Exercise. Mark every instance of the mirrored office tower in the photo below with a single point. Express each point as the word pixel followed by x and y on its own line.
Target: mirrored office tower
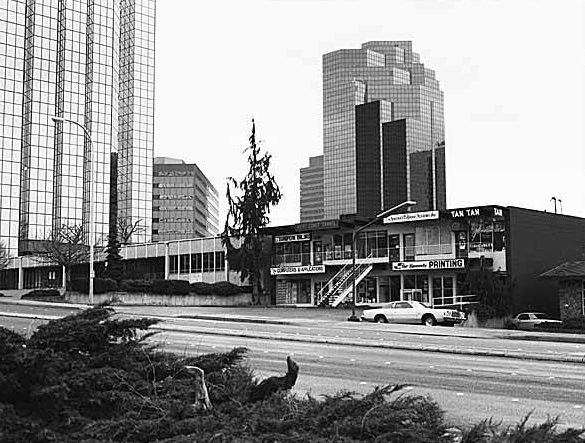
pixel 77 60
pixel 391 74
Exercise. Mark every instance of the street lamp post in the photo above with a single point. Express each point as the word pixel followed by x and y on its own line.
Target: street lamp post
pixel 381 215
pixel 91 197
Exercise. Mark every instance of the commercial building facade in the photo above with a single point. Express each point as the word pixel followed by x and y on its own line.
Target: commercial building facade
pixel 424 256
pixel 358 153
pixel 185 203
pixel 91 62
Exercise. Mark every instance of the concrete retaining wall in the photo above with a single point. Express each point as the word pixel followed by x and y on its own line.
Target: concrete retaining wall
pixel 127 298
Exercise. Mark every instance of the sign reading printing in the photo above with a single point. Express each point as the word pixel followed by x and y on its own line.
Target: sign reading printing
pixel 292 237
pixel 297 270
pixel 457 263
pixel 411 216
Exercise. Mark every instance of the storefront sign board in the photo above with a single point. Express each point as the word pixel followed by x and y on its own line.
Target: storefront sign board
pixel 309 269
pixel 457 263
pixel 411 216
pixel 292 237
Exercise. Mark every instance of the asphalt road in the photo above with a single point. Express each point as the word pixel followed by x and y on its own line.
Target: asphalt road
pixel 360 356
pixel 469 388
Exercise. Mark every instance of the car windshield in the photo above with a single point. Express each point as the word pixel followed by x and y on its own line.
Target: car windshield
pixel 542 316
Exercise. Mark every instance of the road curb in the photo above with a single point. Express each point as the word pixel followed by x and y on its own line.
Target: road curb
pixel 377 344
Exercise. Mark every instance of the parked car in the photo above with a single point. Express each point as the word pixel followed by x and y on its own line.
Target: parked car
pixel 412 312
pixel 530 320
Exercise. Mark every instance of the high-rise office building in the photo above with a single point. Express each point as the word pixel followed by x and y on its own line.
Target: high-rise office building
pixel 361 173
pixel 90 62
pixel 312 190
pixel 185 204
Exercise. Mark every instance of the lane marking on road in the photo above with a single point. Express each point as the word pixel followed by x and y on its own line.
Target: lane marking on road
pixel 460 394
pixel 363 383
pixel 470 370
pixel 577 406
pixel 387 363
pixel 551 378
pixel 432 367
pixel 320 356
pixel 515 400
pixel 513 373
pixel 353 359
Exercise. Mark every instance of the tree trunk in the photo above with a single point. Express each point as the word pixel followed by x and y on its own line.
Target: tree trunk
pixel 202 400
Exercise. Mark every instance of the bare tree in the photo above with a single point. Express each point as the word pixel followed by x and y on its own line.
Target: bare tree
pixel 127 228
pixel 4 255
pixel 64 247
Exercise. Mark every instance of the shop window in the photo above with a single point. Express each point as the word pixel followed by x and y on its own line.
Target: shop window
pixel 443 290
pixel 305 253
pixel 317 252
pixel 347 245
pixel 394 247
pixel 499 236
pixel 408 247
pixel 337 246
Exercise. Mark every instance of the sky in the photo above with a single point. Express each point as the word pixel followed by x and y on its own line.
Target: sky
pixel 512 72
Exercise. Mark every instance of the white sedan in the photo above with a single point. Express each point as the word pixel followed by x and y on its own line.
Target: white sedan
pixel 530 320
pixel 412 312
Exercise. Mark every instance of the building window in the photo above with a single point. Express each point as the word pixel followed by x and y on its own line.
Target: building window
pixel 408 247
pixel 394 247
pixel 173 264
pixel 184 263
pixel 208 262
pixel 220 261
pixel 196 262
pixel 583 298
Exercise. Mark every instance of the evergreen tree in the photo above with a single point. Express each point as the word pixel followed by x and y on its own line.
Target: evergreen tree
pixel 248 214
pixel 114 265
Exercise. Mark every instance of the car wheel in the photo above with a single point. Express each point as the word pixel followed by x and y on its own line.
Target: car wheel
pixel 429 320
pixel 380 319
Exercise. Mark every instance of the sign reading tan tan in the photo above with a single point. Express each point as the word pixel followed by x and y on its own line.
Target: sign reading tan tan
pixel 297 270
pixel 455 263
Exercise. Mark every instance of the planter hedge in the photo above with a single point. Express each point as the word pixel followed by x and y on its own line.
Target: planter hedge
pixel 170 287
pixel 41 294
pixel 100 285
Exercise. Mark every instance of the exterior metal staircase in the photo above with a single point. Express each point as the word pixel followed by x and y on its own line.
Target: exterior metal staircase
pixel 341 284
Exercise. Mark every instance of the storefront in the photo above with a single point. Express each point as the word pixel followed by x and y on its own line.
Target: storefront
pixel 421 256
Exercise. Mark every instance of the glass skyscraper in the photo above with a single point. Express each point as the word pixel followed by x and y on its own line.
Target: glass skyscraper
pixel 390 73
pixel 92 62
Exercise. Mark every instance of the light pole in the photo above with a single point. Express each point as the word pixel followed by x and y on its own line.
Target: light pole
pixel 91 196
pixel 381 215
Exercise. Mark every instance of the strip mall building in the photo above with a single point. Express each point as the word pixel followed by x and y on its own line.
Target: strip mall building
pixel 409 256
pixel 424 256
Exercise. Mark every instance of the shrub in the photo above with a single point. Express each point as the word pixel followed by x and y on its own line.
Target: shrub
pixel 171 287
pixel 225 288
pixel 136 286
pixel 42 294
pixel 100 285
pixel 577 323
pixel 202 288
